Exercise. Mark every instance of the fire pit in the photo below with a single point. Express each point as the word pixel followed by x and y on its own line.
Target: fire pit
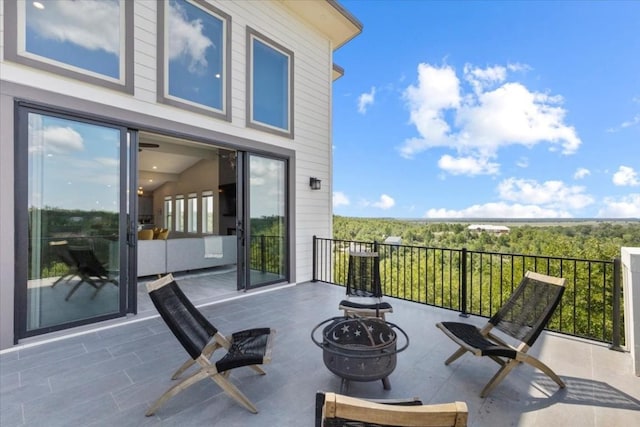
pixel 360 348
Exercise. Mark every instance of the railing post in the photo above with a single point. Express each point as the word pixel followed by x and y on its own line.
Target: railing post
pixel 463 283
pixel 314 262
pixel 263 254
pixel 615 345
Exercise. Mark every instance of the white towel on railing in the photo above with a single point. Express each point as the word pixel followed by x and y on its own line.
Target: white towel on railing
pixel 213 247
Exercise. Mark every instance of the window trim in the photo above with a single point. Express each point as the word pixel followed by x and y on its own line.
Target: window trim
pixel 250 122
pixel 163 96
pixel 123 84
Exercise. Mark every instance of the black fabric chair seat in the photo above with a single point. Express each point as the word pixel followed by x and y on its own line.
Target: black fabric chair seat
pixel 472 336
pixel 357 305
pixel 247 348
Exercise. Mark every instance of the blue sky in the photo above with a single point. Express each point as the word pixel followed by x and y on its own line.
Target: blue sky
pixel 489 110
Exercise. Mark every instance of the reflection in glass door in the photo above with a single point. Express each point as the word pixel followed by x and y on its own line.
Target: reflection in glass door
pixel 266 233
pixel 71 244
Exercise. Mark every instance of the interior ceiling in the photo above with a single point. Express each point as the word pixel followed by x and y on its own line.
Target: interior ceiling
pixel 157 165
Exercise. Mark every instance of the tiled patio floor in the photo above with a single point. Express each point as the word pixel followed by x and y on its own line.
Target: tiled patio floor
pixel 108 377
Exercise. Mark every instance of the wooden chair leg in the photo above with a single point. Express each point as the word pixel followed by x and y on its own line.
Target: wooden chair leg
pixel 459 352
pixel 207 352
pixel 234 392
pixel 499 376
pixel 181 386
pixel 258 369
pixel 186 365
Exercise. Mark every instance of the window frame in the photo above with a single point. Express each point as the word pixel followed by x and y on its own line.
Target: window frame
pixel 207 211
pixel 162 65
pixel 168 213
pixel 192 212
pixel 252 35
pixel 181 212
pixel 15 31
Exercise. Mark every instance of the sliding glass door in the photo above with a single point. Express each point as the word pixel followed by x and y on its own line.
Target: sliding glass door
pixel 70 221
pixel 264 237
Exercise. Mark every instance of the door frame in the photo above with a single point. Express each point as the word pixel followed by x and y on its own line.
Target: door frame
pixel 139 119
pixel 21 243
pixel 243 226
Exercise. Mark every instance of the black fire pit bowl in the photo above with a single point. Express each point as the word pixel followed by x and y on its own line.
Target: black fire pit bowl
pixel 360 348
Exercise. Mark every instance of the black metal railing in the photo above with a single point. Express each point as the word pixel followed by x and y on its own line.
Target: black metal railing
pixel 267 254
pixel 478 283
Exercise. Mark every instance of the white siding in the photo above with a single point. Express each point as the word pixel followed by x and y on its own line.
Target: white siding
pixel 312 103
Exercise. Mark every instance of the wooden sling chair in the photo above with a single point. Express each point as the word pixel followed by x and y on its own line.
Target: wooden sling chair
pixel 523 317
pixel 364 289
pixel 60 249
pixel 90 270
pixel 337 410
pixel 200 339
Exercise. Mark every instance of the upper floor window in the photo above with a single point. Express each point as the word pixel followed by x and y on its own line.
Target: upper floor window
pixel 270 85
pixel 88 40
pixel 193 55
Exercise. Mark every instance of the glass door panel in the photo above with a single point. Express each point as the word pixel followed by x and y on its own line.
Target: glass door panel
pixel 74 221
pixel 266 233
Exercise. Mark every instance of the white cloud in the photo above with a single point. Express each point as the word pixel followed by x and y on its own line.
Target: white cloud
pixel 549 194
pixel 624 207
pixel 385 202
pixel 365 100
pixel 626 124
pixel 478 123
pixel 186 39
pixel 499 210
pixel 93 25
pixel 481 78
pixel 56 140
pixel 523 162
pixel 581 173
pixel 518 67
pixel 626 176
pixel 467 165
pixel 340 199
pixel 632 122
pixel 437 91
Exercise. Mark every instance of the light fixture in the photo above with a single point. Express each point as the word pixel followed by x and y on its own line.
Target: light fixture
pixel 315 183
pixel 140 191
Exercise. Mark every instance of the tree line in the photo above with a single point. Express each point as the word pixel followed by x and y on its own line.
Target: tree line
pixel 580 239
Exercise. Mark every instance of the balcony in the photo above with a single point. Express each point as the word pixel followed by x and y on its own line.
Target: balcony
pixel 110 375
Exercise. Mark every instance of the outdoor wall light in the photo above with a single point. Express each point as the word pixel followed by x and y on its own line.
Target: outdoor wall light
pixel 314 183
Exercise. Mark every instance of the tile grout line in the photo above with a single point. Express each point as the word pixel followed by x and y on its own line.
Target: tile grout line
pixel 132 321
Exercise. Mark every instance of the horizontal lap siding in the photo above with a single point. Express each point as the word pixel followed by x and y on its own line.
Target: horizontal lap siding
pixel 312 81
